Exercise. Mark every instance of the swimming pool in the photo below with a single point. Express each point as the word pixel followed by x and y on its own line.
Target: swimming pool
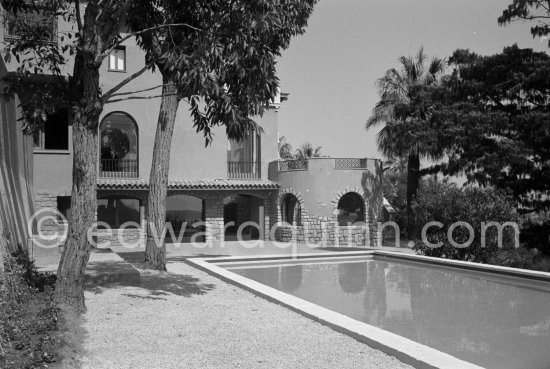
pixel 492 317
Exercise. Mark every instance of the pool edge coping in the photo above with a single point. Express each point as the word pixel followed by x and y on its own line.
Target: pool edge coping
pixel 467 265
pixel 404 349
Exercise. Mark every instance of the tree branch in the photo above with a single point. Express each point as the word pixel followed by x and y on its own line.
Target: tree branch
pixel 78 19
pixel 142 97
pixel 132 34
pixel 139 91
pixel 109 93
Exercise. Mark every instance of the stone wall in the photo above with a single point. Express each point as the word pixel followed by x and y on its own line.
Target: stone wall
pixel 325 231
pixel 48 200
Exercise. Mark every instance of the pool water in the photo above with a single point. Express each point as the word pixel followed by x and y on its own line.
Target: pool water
pixel 489 320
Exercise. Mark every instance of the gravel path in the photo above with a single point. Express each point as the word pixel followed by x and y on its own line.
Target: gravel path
pixel 188 319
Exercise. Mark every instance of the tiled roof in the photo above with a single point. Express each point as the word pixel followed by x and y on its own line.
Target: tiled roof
pixel 202 184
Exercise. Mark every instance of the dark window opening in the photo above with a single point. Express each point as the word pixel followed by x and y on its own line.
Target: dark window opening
pixel 118 211
pixel 64 205
pixel 56 131
pixel 350 209
pixel 291 211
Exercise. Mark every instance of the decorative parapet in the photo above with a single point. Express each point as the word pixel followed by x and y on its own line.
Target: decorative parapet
pixel 336 163
pixel 290 165
pixel 351 163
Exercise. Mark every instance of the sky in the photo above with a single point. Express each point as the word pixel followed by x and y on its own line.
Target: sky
pixel 331 70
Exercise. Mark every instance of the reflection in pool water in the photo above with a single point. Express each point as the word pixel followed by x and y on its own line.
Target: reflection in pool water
pixel 494 323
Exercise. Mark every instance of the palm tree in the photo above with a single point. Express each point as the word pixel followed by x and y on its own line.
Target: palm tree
pixel 398 139
pixel 307 151
pixel 285 149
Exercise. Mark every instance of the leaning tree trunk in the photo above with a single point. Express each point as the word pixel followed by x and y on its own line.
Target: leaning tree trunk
pixel 70 273
pixel 155 249
pixel 413 178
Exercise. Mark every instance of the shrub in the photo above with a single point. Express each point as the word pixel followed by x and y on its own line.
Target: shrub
pixel 446 203
pixel 32 277
pixel 535 234
pixel 522 258
pixel 28 316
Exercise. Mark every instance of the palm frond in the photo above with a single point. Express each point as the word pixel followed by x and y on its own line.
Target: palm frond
pixel 401 136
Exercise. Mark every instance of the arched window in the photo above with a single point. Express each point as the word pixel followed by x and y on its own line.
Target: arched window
pixel 351 209
pixel 119 146
pixel 290 210
pixel 116 211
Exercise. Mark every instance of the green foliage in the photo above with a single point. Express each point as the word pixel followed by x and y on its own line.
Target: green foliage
pixel 31 276
pixel 521 258
pixel 528 10
pixel 493 120
pixel 285 149
pixel 28 316
pixel 535 234
pixel 400 106
pixel 403 111
pixel 221 56
pixel 395 189
pixel 306 151
pixel 446 203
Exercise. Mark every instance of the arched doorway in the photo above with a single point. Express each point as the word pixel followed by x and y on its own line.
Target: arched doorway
pixel 351 209
pixel 186 216
pixel 118 134
pixel 291 211
pixel 239 209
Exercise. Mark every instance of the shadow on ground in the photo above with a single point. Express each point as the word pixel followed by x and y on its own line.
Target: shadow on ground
pixel 132 257
pixel 71 337
pixel 155 282
pixel 136 258
pixel 182 259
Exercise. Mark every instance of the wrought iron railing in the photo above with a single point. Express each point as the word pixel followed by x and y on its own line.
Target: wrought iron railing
pixel 350 163
pixel 118 168
pixel 289 165
pixel 244 169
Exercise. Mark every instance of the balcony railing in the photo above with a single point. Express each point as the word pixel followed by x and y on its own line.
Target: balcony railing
pixel 326 162
pixel 118 168
pixel 289 165
pixel 350 163
pixel 244 169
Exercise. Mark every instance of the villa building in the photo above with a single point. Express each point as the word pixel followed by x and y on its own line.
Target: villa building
pixel 209 186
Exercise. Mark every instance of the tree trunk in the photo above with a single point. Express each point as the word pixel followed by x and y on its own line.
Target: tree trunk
pixel 413 178
pixel 3 248
pixel 70 273
pixel 155 249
